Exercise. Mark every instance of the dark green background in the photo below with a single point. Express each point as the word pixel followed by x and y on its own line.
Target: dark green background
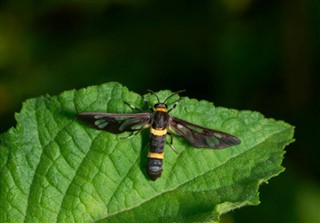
pixel 248 55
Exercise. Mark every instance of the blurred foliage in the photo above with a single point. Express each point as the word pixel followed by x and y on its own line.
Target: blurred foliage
pixel 256 55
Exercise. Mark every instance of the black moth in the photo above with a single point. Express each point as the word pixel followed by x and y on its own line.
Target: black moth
pixel 160 124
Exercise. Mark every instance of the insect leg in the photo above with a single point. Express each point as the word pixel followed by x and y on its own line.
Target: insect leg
pixel 171 143
pixel 174 105
pixel 136 132
pixel 134 107
pixel 148 104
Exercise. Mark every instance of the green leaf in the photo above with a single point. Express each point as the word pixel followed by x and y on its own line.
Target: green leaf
pixel 55 169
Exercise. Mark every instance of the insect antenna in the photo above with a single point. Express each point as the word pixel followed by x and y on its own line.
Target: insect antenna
pixel 152 92
pixel 174 93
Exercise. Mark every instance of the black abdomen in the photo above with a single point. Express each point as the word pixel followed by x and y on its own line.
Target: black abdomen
pixel 155 155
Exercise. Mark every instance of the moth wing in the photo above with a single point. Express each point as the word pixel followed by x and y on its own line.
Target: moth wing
pixel 115 123
pixel 201 137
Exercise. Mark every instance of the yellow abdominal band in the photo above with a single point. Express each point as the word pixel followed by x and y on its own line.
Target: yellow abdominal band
pixel 156 155
pixel 158 132
pixel 161 109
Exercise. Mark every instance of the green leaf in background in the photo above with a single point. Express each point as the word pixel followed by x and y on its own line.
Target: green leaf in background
pixel 55 169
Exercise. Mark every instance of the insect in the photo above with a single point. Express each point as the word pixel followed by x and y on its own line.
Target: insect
pixel 160 124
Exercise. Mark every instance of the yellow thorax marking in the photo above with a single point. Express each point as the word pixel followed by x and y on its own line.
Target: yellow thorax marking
pixel 162 109
pixel 158 132
pixel 156 155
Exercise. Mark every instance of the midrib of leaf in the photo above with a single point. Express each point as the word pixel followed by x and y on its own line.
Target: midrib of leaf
pixel 243 152
pixel 39 143
pixel 65 195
